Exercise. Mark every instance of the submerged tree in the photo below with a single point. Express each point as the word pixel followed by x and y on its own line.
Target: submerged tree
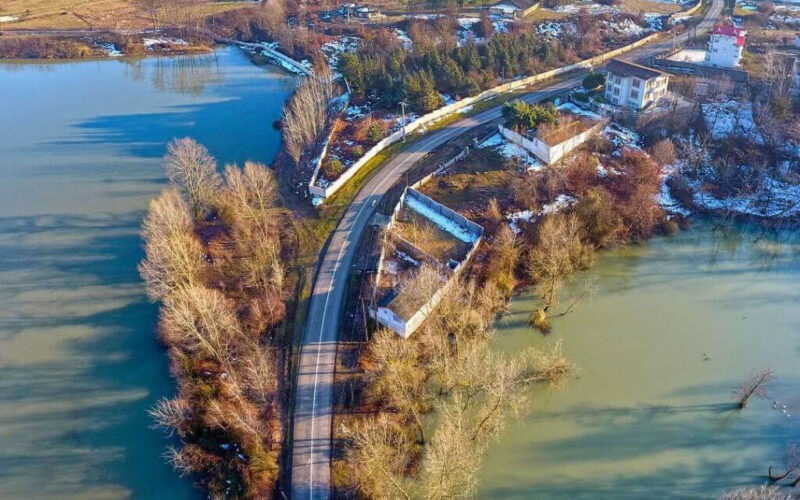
pixel 791 463
pixel 754 386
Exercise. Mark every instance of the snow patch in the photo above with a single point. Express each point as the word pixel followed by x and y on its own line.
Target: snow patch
pixel 577 110
pixel 404 38
pixel 562 202
pixel 510 150
pixel 440 220
pixel 731 117
pixel 150 43
pixel 111 49
pixel 622 137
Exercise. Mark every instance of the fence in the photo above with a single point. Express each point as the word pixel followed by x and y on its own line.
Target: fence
pixel 736 75
pixel 546 152
pixel 442 167
pixel 325 192
pixel 385 315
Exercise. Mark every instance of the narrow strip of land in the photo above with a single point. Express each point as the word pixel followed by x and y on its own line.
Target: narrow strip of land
pixel 313 412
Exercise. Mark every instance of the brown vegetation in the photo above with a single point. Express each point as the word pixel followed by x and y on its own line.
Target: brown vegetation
pixel 213 259
pixel 35 47
pixel 306 113
pixel 446 367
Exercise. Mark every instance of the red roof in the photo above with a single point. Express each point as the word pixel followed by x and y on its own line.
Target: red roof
pixel 731 31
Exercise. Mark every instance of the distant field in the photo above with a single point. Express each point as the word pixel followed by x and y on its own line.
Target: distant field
pixel 637 6
pixel 83 14
pixel 544 14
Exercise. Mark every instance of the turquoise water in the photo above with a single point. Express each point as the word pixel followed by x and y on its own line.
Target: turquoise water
pixel 647 416
pixel 80 153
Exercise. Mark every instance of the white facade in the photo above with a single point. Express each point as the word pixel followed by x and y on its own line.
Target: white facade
pixel 634 92
pixel 725 47
pixel 543 151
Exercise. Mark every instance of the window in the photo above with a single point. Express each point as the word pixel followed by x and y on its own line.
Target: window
pixel 635 94
pixel 616 90
pixel 635 83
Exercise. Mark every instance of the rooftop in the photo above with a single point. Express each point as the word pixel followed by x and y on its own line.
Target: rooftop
pixel 731 31
pixel 626 69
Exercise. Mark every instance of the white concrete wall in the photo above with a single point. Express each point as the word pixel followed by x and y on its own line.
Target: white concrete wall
pixel 464 103
pixel 723 51
pixel 389 319
pixel 547 153
pixel 385 315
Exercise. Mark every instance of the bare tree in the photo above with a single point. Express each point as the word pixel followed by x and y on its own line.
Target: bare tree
pixel 174 255
pixel 753 386
pixel 396 378
pixel 452 461
pixel 420 287
pixel 201 320
pixel 504 258
pixel 247 204
pixel 306 113
pixel 557 252
pixel 172 415
pixel 791 463
pixel 757 493
pixel 192 169
pixel 379 455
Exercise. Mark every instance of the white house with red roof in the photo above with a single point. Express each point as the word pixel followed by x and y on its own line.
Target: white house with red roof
pixel 725 46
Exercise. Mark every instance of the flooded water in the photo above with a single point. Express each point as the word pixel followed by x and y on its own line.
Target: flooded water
pixel 673 328
pixel 80 148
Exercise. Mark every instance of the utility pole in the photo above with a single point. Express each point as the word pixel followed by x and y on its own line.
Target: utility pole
pixel 403 114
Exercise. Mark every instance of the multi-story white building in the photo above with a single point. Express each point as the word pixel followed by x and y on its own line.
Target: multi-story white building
pixel 632 85
pixel 725 46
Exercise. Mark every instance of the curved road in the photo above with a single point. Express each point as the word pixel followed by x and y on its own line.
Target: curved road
pixel 313 412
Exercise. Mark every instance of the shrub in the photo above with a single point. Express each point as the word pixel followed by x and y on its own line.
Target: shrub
pixel 766 8
pixel 333 168
pixel 539 320
pixel 597 216
pixel 580 96
pixel 663 152
pixel 519 114
pixel 357 151
pixel 594 80
pixel 493 213
pixel 581 173
pixel 668 227
pixel 600 145
pixel 375 132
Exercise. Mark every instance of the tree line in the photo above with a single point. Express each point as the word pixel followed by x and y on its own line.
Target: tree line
pixel 393 74
pixel 215 257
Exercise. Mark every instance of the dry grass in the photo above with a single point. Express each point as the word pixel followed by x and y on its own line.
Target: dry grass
pixel 474 181
pixel 84 14
pixel 544 14
pixel 636 6
pixel 429 238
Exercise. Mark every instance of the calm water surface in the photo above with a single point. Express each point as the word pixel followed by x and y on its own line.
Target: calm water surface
pixel 80 156
pixel 648 417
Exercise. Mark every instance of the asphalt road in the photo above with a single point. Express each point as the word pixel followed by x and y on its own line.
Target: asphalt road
pixel 314 393
pixel 312 448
